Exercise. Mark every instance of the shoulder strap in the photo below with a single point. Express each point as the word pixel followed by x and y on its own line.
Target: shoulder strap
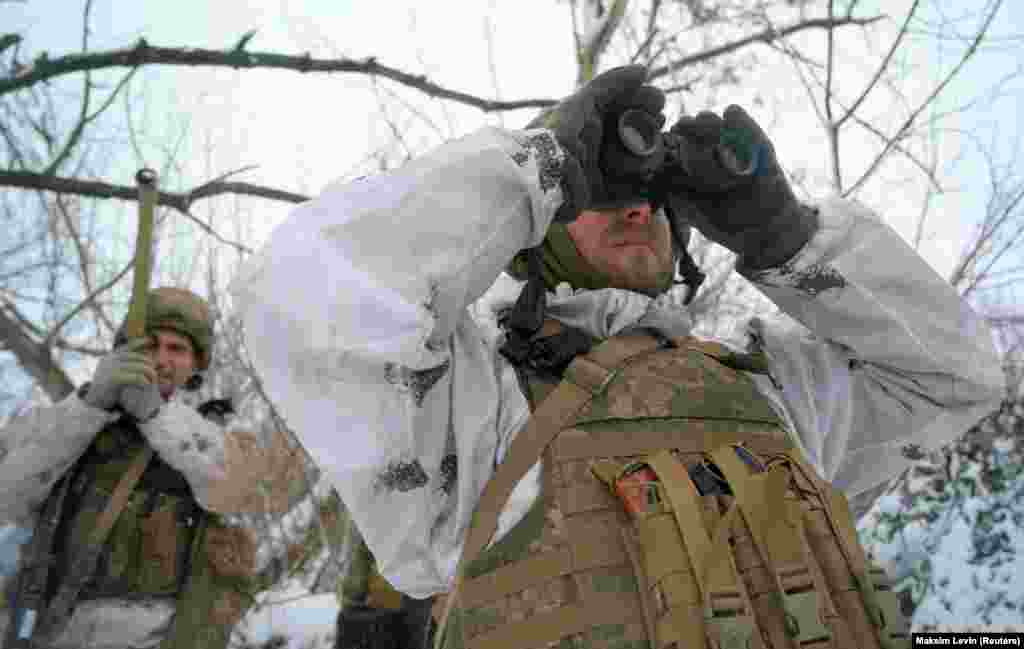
pixel 34 571
pixel 82 568
pixel 586 377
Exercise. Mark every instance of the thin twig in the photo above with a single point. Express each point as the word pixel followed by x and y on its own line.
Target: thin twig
pixel 84 259
pixel 971 50
pixel 882 67
pixel 830 124
pixel 88 301
pixel 765 36
pixel 79 128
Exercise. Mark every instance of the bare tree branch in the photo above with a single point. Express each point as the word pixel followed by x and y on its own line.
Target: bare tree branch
pixel 883 66
pixel 971 50
pixel 599 25
pixel 88 301
pixel 652 31
pixel 180 201
pixel 85 261
pixel 76 132
pixel 143 54
pixel 830 124
pixel 767 36
pixel 35 359
pixel 928 170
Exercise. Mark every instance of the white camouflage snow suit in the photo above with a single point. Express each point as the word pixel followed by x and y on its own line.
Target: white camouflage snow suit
pixel 360 311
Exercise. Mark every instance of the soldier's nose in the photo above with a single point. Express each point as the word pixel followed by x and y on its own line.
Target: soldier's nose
pixel 639 214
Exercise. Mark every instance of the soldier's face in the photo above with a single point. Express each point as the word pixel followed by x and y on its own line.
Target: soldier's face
pixel 175 360
pixel 631 245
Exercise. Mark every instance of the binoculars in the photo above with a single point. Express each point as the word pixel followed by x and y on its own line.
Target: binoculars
pixel 640 135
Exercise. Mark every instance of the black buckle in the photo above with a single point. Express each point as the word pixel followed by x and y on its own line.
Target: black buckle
pixel 550 356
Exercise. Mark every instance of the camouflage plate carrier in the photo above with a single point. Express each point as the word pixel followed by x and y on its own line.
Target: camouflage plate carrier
pixel 730 541
pixel 163 544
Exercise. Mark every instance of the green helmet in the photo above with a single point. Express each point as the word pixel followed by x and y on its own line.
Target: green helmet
pixel 181 311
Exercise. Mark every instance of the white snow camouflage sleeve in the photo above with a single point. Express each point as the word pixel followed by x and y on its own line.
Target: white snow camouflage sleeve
pixel 356 318
pixel 229 470
pixel 37 447
pixel 189 444
pixel 894 361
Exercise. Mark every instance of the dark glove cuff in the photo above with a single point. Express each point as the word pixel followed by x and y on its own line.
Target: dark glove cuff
pixel 794 228
pixel 575 193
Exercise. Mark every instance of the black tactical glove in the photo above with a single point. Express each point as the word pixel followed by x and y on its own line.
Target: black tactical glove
pixel 721 176
pixel 598 169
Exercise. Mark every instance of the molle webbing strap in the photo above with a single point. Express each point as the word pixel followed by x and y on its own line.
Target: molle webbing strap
pixel 755 363
pixel 694 571
pixel 586 377
pixel 686 508
pixel 885 630
pixel 597 609
pixel 599 443
pixel 515 577
pixel 774 522
pixel 82 568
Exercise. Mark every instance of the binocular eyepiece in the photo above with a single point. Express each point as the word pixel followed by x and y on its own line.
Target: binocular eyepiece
pixel 640 134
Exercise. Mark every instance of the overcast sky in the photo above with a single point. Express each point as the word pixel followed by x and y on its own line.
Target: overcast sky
pixel 304 131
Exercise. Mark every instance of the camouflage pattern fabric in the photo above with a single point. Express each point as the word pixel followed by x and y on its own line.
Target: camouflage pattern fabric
pixel 163 544
pixel 578 572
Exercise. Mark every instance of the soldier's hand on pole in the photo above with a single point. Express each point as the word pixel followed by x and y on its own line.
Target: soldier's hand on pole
pixel 126 366
pixel 142 402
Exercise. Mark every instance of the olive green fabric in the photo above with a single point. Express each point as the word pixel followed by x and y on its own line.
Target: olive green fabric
pixel 162 546
pixel 181 311
pixel 147 549
pixel 562 262
pixel 354 588
pixel 214 599
pixel 511 547
pixel 363 585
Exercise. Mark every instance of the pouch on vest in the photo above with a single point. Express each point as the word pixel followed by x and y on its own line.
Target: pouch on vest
pixel 748 549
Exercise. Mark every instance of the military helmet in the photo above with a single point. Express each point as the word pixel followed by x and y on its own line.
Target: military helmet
pixel 183 312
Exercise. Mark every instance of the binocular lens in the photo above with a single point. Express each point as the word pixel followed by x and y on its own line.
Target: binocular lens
pixel 639 132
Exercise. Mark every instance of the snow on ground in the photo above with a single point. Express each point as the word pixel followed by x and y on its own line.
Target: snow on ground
pixel 986 596
pixel 306 621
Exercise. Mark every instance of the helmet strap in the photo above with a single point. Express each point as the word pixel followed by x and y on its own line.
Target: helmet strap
pixel 693 277
pixel 526 317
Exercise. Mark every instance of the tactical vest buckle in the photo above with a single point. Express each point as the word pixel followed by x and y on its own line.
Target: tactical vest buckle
pixel 803 617
pixel 735 632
